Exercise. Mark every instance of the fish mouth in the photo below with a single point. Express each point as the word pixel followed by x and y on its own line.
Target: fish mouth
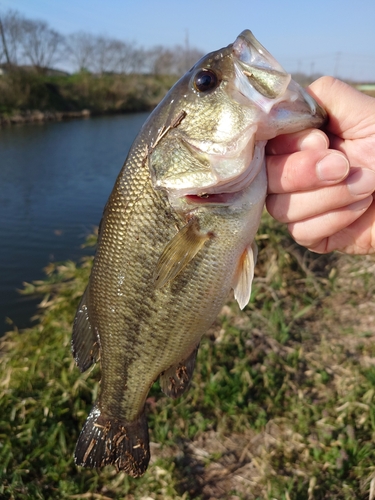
pixel 225 192
pixel 261 79
pixel 210 199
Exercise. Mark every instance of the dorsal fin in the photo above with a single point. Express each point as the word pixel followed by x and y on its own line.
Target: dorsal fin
pixel 85 343
pixel 245 274
pixel 182 248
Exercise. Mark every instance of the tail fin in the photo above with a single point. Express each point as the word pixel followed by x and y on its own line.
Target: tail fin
pixel 105 441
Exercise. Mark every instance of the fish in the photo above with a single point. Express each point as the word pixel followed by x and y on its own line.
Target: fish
pixel 176 236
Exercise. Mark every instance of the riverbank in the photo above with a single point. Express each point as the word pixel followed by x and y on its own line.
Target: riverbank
pixel 35 116
pixel 27 97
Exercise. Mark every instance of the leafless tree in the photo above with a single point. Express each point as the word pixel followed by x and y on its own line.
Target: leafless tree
pixel 105 54
pixel 186 58
pixel 11 30
pixel 137 60
pixel 131 58
pixel 25 41
pixel 80 49
pixel 101 54
pixel 41 45
pixel 161 60
pixel 176 60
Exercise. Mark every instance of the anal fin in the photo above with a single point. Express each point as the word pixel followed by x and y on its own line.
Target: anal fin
pixel 108 441
pixel 245 274
pixel 182 248
pixel 85 343
pixel 176 380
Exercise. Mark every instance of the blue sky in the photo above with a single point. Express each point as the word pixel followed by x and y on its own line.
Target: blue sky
pixel 332 37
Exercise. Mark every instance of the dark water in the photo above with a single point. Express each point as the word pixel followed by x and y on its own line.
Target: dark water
pixel 54 181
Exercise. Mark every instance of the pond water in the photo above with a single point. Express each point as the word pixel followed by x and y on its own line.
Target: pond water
pixel 55 179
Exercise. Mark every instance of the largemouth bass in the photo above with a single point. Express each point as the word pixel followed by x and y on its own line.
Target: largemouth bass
pixel 176 236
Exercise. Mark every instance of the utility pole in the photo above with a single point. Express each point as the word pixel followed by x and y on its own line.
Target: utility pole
pixel 4 43
pixel 337 62
pixel 187 50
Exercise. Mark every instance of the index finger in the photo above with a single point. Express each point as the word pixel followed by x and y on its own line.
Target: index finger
pixel 351 115
pixel 299 141
pixel 305 170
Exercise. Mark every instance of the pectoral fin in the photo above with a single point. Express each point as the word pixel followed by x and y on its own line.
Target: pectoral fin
pixel 176 379
pixel 85 343
pixel 245 275
pixel 182 248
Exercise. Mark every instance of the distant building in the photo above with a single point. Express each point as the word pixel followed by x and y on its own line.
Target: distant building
pixel 3 69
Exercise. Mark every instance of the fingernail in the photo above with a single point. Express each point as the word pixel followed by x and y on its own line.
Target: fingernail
pixel 361 181
pixel 333 167
pixel 313 140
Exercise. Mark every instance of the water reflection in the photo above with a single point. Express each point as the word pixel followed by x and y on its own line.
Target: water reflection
pixel 54 181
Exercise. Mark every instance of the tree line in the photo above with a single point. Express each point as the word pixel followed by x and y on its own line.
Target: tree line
pixel 34 43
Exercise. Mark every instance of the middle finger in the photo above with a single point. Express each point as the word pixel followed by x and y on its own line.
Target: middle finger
pixel 293 207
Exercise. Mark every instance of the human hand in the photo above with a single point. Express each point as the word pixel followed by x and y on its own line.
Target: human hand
pixel 322 184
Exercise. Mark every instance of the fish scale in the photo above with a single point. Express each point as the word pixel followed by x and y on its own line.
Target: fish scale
pixel 177 234
pixel 139 316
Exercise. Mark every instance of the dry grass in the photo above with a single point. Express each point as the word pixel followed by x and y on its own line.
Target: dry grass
pixel 281 405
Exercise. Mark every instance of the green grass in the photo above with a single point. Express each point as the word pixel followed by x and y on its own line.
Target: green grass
pixel 281 405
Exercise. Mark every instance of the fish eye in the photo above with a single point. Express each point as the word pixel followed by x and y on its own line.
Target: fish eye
pixel 206 79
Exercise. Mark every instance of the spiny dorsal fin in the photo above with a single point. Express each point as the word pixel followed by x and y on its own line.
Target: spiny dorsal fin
pixel 245 275
pixel 175 381
pixel 85 343
pixel 182 248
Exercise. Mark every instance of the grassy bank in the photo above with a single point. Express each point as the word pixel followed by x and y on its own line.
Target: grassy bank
pixel 281 405
pixel 22 93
